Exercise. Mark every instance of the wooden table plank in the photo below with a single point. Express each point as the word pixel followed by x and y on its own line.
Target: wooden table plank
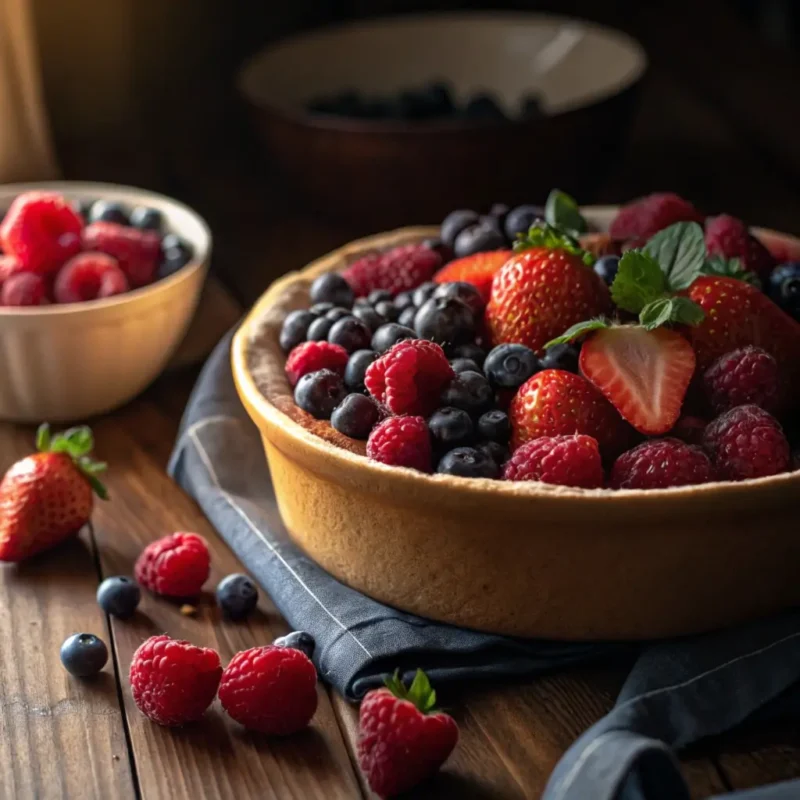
pixel 59 736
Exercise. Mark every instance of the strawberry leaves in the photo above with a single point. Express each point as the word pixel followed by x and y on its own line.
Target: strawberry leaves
pixel 730 268
pixel 78 444
pixel 680 252
pixel 639 281
pixel 578 330
pixel 420 693
pixel 543 234
pixel 561 211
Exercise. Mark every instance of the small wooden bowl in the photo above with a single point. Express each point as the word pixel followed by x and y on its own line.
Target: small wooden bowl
pixel 525 559
pixel 383 172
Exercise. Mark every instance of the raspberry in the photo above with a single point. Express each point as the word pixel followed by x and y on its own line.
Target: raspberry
pixel 396 270
pixel 313 356
pixel 42 230
pixel 409 378
pixel 24 289
pixel 659 463
pixel 270 689
pixel 137 252
pixel 176 566
pixel 561 460
pixel 173 681
pixel 747 442
pixel 401 442
pixel 729 237
pixel 9 265
pixel 741 377
pixel 89 276
pixel 647 216
pixel 689 429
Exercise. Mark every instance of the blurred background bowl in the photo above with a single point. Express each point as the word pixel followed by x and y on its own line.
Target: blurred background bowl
pixel 390 172
pixel 67 362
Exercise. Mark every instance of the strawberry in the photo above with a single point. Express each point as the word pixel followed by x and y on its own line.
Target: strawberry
pixel 47 497
pixel 729 237
pixel 542 290
pixel 402 740
pixel 396 270
pixel 645 217
pixel 478 269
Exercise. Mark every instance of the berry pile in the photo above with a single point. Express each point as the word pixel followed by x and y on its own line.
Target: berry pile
pixel 55 252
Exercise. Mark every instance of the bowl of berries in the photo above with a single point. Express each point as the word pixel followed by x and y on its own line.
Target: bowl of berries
pixel 585 435
pixel 98 284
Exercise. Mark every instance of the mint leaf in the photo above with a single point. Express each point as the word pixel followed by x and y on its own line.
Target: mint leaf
pixel 639 281
pixel 562 210
pixel 542 234
pixel 686 311
pixel 43 438
pixel 680 251
pixel 670 309
pixel 576 331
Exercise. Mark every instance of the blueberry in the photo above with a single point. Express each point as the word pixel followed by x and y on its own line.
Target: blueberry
pixel 237 596
pixel 404 300
pixel 478 239
pixel 791 269
pixel 83 207
pixel 147 219
pixel 356 369
pixel 378 296
pixel 469 391
pixel 463 291
pixel 319 329
pixel 295 328
pixel 350 333
pixel 520 219
pixel 499 453
pixel 171 262
pixel 483 106
pixel 495 426
pixel 508 366
pixel 467 462
pixel 175 252
pixel 118 596
pixel 388 310
pixel 499 211
pixel 407 316
pixel 423 292
pixel 332 288
pixel 297 640
pixel 453 224
pixel 319 393
pixel 606 267
pixel 450 427
pixel 337 313
pixel 438 246
pixel 356 416
pixel 389 335
pixel 108 211
pixel 464 365
pixel 471 351
pixel 561 356
pixel 320 309
pixel 369 316
pixel 445 321
pixel 83 654
pixel 789 296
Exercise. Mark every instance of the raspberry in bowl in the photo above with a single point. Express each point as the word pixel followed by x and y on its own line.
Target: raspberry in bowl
pixel 98 284
pixel 581 497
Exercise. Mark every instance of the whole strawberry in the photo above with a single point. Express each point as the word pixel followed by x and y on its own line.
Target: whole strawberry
pixel 402 740
pixel 48 497
pixel 478 269
pixel 397 270
pixel 545 288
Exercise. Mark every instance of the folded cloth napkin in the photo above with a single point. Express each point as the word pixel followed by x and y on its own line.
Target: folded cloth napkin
pixel 677 692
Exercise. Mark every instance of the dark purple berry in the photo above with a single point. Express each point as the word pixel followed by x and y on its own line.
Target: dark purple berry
pixel 378 296
pixel 319 329
pixel 471 351
pixel 791 269
pixel 319 393
pixel 445 321
pixel 407 316
pixel 356 416
pixel 332 288
pixel 320 309
pixel 356 369
pixel 467 462
pixel 119 596
pixel 295 329
pixel 147 219
pixel 389 335
pixel 508 366
pixel 464 365
pixel 478 238
pixel 454 223
pixel 297 640
pixel 463 291
pixel 499 453
pixel 520 219
pixel 388 310
pixel 237 596
pixel 350 333
pixel 423 292
pixel 561 356
pixel 369 316
pixel 438 246
pixel 451 427
pixel 606 267
pixel 404 300
pixel 337 313
pixel 469 391
pixel 108 211
pixel 495 426
pixel 84 654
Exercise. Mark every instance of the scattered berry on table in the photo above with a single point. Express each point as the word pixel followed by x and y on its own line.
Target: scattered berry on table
pixel 295 328
pixel 89 276
pixel 24 289
pixel 298 640
pixel 561 356
pixel 397 270
pixel 173 682
pixel 370 317
pixel 119 596
pixel 356 416
pixel 569 460
pixel 446 321
pixel 146 218
pixel 318 393
pixel 478 270
pixel 520 219
pixel 313 356
pixel 356 369
pixel 270 689
pixel 469 391
pixel 644 217
pixel 108 211
pixel 423 292
pixel 401 442
pixel 388 335
pixel 319 329
pixel 351 334
pixel 729 237
pixel 508 366
pixel 175 566
pixel 468 462
pixel 402 738
pixel 450 427
pixel 407 317
pixel 463 291
pixel 741 377
pixel 337 313
pixel 470 351
pixel 464 365
pixel 331 288
pixel 478 238
pixel 137 252
pixel 606 267
pixel 454 223
pixel 237 596
pixel 388 310
pixel 84 654
pixel 495 426
pixel 499 453
pixel 661 463
pixel 746 442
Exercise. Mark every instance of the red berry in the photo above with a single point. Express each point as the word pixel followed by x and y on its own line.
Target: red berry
pixel 644 217
pixel 9 265
pixel 176 566
pixel 24 289
pixel 137 251
pixel 314 356
pixel 409 378
pixel 173 681
pixel 660 463
pixel 270 689
pixel 89 276
pixel 396 270
pixel 748 375
pixel 747 442
pixel 561 460
pixel 478 269
pixel 42 230
pixel 401 442
pixel 729 237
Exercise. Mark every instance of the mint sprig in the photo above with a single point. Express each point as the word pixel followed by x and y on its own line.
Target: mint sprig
pixel 420 693
pixel 639 281
pixel 680 252
pixel 562 211
pixel 78 444
pixel 543 234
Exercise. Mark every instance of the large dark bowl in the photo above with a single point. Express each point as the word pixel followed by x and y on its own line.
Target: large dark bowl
pixel 391 172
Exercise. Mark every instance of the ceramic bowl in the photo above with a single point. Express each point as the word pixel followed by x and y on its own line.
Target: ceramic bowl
pixel 390 173
pixel 68 362
pixel 525 559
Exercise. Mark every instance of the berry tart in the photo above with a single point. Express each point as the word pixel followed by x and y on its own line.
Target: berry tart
pixel 542 421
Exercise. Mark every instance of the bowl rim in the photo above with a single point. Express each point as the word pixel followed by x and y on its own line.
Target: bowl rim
pixel 200 259
pixel 724 496
pixel 334 123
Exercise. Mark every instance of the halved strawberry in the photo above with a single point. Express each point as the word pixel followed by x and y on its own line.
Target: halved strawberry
pixel 644 374
pixel 478 269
